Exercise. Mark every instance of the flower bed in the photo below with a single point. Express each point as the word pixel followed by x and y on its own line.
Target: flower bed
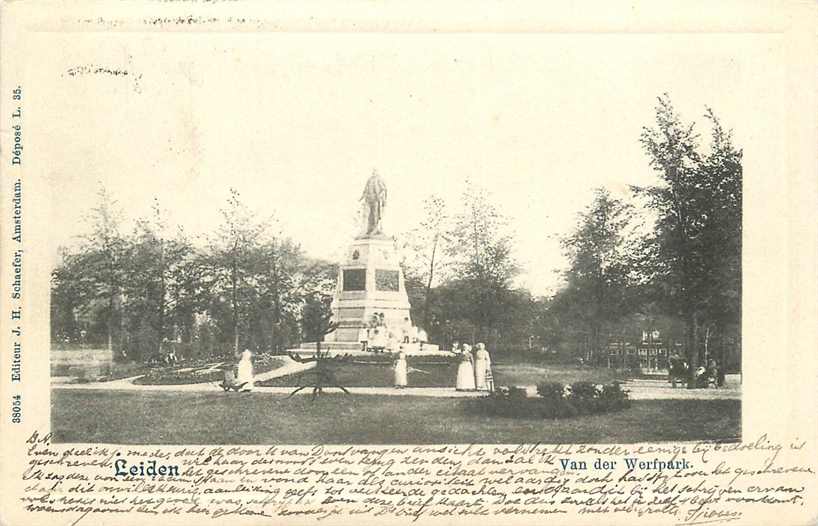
pixel 553 400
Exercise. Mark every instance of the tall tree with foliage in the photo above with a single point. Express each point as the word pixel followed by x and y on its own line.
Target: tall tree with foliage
pixel 598 276
pixel 235 261
pixel 287 279
pixel 482 261
pixel 425 251
pixel 694 254
pixel 74 293
pixel 722 174
pixel 104 249
pixel 156 291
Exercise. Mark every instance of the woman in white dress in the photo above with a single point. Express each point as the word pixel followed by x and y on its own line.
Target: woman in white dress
pixel 245 370
pixel 465 370
pixel 482 364
pixel 400 371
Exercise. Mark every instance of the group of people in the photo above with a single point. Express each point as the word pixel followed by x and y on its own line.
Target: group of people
pixel 474 370
pixel 379 337
pixel 705 376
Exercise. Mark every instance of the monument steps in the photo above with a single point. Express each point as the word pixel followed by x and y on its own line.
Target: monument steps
pixel 354 349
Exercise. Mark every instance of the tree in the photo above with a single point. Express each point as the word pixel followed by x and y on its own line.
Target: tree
pixel 722 178
pixel 102 253
pixel 599 266
pixel 74 291
pixel 157 295
pixel 287 280
pixel 483 264
pixel 694 253
pixel 424 253
pixel 234 261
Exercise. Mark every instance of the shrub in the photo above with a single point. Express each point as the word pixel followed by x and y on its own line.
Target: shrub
pixel 583 391
pixel 614 397
pixel 554 400
pixel 550 390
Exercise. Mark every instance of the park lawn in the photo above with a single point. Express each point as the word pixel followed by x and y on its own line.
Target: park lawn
pixel 438 374
pixel 531 374
pixel 260 418
pixel 429 373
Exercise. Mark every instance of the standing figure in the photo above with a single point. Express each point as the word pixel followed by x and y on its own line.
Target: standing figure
pixel 455 347
pixel 400 370
pixel 245 370
pixel 465 371
pixel 482 368
pixel 374 203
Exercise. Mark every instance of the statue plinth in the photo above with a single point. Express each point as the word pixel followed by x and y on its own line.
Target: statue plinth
pixel 370 282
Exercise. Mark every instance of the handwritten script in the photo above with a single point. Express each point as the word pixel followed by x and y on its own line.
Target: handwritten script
pixel 722 482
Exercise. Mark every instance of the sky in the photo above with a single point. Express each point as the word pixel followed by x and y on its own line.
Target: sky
pixel 296 122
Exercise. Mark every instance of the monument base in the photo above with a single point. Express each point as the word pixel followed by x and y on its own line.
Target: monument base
pixel 371 293
pixel 337 348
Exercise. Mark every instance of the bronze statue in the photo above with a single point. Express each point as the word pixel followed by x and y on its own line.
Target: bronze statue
pixel 374 200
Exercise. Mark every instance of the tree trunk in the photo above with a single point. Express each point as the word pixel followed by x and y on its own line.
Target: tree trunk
pixel 706 344
pixel 692 351
pixel 111 321
pixel 111 302
pixel 426 300
pixel 162 294
pixel 276 308
pixel 234 301
pixel 593 347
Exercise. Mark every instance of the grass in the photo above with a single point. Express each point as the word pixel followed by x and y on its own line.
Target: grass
pixel 438 374
pixel 442 373
pixel 532 374
pixel 257 418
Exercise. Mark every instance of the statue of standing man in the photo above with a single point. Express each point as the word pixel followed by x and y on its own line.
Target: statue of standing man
pixel 374 204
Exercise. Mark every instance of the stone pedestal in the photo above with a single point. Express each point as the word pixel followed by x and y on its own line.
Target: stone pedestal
pixel 370 282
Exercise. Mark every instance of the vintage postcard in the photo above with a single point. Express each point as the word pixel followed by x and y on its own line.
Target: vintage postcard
pixel 382 263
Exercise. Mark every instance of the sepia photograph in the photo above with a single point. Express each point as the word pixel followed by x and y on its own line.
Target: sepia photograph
pixel 389 239
pixel 384 263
